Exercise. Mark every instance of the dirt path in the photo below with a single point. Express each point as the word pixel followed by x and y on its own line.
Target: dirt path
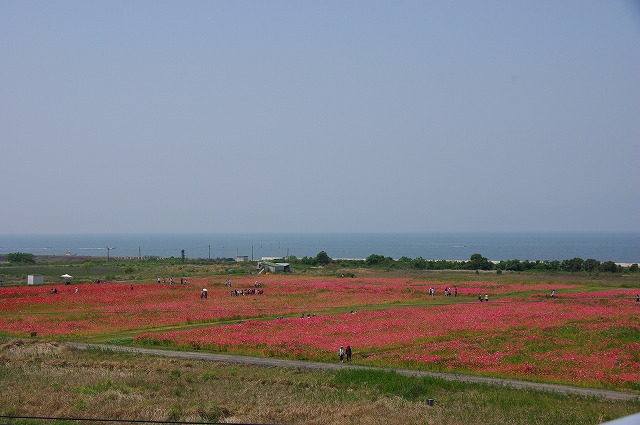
pixel 273 362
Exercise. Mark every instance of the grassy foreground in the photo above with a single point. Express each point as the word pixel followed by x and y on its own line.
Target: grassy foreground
pixel 40 378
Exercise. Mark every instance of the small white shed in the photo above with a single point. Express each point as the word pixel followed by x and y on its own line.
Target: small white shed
pixel 35 279
pixel 274 267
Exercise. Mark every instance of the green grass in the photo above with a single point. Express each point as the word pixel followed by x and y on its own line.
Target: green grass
pixel 105 384
pixel 393 384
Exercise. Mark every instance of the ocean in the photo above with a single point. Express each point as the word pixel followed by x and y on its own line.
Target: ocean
pixel 617 247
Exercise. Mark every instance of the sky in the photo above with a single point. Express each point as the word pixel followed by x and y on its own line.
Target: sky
pixel 307 116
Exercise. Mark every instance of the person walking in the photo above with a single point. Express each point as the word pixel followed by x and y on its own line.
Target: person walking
pixel 348 353
pixel 341 354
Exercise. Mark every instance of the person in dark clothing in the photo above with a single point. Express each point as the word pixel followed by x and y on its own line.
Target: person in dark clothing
pixel 348 352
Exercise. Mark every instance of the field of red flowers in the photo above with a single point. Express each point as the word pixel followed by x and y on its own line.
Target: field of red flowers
pixel 109 307
pixel 592 338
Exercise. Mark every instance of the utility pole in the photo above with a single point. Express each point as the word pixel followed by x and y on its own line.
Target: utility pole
pixel 139 253
pixel 109 248
pixel 209 252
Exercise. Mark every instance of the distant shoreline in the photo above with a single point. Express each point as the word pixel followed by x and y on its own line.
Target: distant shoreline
pixel 82 258
pixel 615 247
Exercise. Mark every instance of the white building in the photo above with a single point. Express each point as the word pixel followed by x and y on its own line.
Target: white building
pixel 274 267
pixel 35 279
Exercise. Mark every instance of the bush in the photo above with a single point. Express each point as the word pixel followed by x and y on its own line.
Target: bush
pixel 21 257
pixel 323 258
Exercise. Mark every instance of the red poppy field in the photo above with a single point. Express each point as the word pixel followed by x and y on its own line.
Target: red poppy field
pixel 583 336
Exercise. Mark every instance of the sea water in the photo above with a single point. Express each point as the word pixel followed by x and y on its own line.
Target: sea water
pixel 618 247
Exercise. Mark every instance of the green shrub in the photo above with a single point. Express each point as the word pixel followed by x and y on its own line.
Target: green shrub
pixel 21 257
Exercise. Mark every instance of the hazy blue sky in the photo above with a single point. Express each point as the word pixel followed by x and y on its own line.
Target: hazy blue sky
pixel 336 116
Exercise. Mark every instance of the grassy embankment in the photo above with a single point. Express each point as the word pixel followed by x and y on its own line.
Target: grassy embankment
pixel 46 379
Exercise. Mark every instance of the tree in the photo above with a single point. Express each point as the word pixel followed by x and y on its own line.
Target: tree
pixel 21 257
pixel 609 266
pixel 378 260
pixel 573 265
pixel 591 265
pixel 478 262
pixel 323 258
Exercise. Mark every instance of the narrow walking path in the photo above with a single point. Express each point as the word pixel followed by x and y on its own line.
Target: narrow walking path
pixel 273 362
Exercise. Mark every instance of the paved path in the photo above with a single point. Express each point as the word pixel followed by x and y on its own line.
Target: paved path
pixel 273 362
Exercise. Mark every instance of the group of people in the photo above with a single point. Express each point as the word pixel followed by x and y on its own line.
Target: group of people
pixel 447 292
pixel 342 353
pixel 251 291
pixel 55 290
pixel 486 297
pixel 183 281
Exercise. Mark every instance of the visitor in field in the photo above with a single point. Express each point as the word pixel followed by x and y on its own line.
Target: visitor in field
pixel 341 354
pixel 480 297
pixel 348 352
pixel 486 298
pixel 553 293
pixel 638 298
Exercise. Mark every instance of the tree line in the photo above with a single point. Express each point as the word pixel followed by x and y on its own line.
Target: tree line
pixel 475 262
